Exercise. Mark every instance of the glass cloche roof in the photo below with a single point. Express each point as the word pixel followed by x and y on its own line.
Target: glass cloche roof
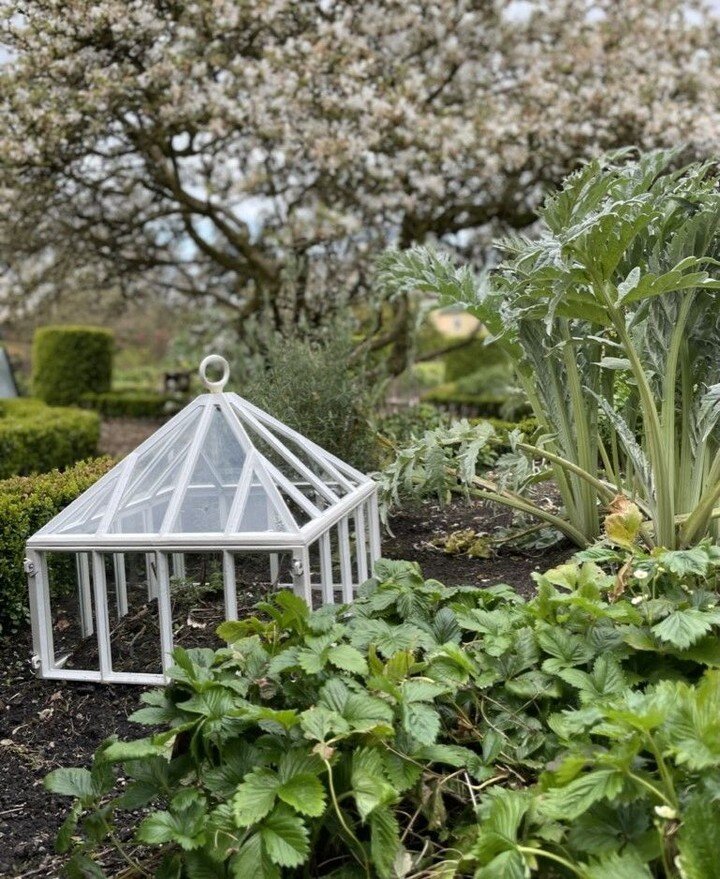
pixel 220 472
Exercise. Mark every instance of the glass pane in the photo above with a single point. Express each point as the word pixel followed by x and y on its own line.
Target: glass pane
pixel 296 476
pixel 210 492
pixel 147 495
pixel 313 461
pixel 84 515
pixel 261 512
pixel 197 598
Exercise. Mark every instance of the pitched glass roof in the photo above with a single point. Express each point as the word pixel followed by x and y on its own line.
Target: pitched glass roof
pixel 220 467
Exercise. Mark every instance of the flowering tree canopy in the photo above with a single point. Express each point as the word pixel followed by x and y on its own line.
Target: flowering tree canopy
pixel 257 152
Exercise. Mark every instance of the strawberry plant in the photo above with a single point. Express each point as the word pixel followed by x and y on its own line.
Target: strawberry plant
pixel 427 731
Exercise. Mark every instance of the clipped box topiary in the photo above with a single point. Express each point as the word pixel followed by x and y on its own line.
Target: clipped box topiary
pixel 133 404
pixel 26 504
pixel 35 438
pixel 69 361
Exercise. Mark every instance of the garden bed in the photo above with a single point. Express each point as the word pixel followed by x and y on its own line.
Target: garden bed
pixel 47 724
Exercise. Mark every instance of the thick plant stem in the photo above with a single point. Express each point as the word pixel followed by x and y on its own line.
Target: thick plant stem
pixel 564 486
pixel 668 403
pixel 541 853
pixel 531 509
pixel 602 488
pixel 586 449
pixel 665 534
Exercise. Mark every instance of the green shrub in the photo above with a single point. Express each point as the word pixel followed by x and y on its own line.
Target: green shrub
pixel 476 357
pixel 455 731
pixel 401 426
pixel 452 399
pixel 35 438
pixel 132 404
pixel 527 426
pixel 316 390
pixel 69 361
pixel 26 504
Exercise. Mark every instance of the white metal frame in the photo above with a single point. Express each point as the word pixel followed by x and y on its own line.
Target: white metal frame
pixel 341 506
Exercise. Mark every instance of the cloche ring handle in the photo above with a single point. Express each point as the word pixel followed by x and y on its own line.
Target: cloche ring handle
pixel 215 387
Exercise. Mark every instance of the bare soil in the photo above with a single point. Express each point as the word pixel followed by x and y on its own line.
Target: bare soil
pixel 47 724
pixel 119 436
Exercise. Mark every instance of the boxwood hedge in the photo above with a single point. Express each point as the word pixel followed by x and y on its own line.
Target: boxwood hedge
pixel 133 404
pixel 35 438
pixel 69 361
pixel 26 504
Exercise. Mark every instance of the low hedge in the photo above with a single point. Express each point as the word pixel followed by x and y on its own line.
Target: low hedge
pixel 527 426
pixel 133 404
pixel 26 504
pixel 35 438
pixel 69 361
pixel 448 397
pixel 474 357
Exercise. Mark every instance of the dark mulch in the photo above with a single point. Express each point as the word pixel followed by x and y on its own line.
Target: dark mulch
pixel 415 529
pixel 46 724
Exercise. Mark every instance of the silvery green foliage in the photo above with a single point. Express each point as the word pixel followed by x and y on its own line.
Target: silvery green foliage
pixel 611 317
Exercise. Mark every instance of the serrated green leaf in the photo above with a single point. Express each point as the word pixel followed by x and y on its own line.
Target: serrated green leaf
pixel 534 684
pixel 63 840
pixel 153 715
pixel 348 658
pixel 70 782
pixel 565 648
pixel 384 840
pixel 213 703
pixel 297 761
pixel 682 628
pixel 80 866
pixel 269 717
pixel 284 660
pixel 186 830
pixel 304 793
pixel 140 749
pixel 421 721
pixel 699 840
pixel 320 723
pixel 252 861
pixel 693 726
pixel 199 865
pixel 312 662
pixel 285 837
pixel 507 865
pixel 504 811
pixel 627 865
pixel 255 797
pixel 401 771
pixel 569 802
pixel 362 712
pixel 606 828
pixel 370 787
pixel 417 690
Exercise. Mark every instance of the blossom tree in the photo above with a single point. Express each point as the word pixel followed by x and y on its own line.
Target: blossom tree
pixel 258 153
